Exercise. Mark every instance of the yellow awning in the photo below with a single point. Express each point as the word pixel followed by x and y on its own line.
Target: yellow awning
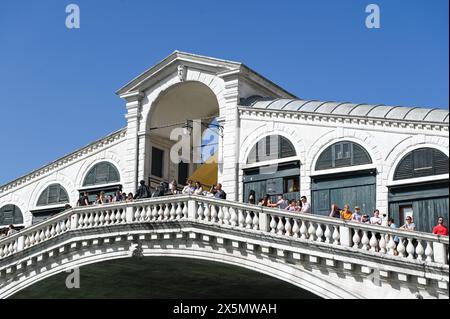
pixel 207 172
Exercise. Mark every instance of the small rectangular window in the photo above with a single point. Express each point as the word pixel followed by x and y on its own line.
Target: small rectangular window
pixel 157 162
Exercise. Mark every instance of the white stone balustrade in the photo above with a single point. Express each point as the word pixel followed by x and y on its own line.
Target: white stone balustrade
pixel 371 239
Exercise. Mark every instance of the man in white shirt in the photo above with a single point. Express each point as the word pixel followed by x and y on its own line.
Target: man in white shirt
pixel 306 207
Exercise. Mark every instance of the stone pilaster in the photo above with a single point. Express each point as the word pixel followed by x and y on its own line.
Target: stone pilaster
pixel 228 150
pixel 130 176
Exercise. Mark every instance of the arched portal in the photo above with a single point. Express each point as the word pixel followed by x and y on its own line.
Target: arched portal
pixel 52 201
pixel 101 177
pixel 420 188
pixel 342 177
pixel 273 169
pixel 183 112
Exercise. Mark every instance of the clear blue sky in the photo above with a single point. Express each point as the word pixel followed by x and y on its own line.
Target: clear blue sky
pixel 57 85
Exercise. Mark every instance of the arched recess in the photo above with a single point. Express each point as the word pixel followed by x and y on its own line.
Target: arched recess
pixel 10 214
pixel 51 201
pixel 271 168
pixel 179 112
pixel 343 173
pixel 101 176
pixel 419 188
pixel 318 284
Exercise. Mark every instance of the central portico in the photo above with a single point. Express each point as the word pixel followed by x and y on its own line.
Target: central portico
pixel 180 88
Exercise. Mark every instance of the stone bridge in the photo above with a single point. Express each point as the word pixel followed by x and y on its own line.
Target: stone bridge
pixel 325 256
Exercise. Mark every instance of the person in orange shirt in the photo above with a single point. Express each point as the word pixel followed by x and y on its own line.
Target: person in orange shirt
pixel 346 214
pixel 440 229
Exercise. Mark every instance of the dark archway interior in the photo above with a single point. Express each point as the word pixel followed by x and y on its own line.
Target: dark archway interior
pixel 164 278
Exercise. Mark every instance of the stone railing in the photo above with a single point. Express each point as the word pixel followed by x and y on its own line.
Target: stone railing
pixel 378 240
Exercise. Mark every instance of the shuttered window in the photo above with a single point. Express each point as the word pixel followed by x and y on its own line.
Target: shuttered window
pixel 271 148
pixel 157 162
pixel 10 214
pixel 343 154
pixel 101 174
pixel 52 195
pixel 422 162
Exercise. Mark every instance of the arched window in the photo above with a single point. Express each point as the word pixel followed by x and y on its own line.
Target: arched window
pixel 343 154
pixel 422 162
pixel 271 148
pixel 52 195
pixel 101 174
pixel 10 214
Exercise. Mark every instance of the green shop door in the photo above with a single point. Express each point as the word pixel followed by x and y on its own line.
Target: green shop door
pixel 354 189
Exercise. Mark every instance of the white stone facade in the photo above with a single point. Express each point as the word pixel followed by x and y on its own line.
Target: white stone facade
pixel 149 95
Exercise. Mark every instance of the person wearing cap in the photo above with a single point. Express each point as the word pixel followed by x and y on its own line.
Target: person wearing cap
pixel 409 225
pixel 356 217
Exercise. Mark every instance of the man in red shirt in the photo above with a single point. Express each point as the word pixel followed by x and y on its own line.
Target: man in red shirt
pixel 440 229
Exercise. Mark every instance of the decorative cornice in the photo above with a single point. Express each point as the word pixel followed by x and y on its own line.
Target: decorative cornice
pixel 65 160
pixel 310 117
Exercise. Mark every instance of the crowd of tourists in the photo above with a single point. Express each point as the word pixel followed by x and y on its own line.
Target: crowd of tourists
pixel 345 213
pixel 143 192
pixel 196 188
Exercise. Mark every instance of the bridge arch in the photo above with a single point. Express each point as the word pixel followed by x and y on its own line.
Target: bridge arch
pixel 304 279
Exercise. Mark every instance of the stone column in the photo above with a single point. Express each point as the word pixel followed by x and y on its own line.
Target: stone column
pixel 130 176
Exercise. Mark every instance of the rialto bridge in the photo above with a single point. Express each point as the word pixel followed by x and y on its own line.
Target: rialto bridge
pixel 325 256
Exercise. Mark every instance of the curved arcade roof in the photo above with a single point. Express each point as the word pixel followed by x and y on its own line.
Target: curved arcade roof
pixel 435 115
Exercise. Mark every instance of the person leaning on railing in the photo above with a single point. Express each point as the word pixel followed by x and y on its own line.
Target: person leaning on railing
pixel 440 228
pixel 346 213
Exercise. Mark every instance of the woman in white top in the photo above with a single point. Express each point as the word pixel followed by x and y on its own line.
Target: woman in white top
pixel 198 188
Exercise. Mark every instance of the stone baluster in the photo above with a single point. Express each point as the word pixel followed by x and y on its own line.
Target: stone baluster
pixel 233 217
pixel 420 251
pixel 207 213
pixel 273 224
pixel 97 219
pixel 280 226
pixel 312 231
pixel 91 218
pixel 118 216
pixel 136 215
pixel 401 248
pixel 173 212
pixel 248 220
pixel 410 249
pixel 429 252
pixel 185 210
pixel 226 215
pixel 160 212
pixel 383 244
pixel 179 212
pixel 220 215
pixel 373 242
pixel 255 221
pixel 365 240
pixel 356 239
pixel 241 218
pixel 336 236
pixel 303 231
pixel 319 233
pixel 155 213
pixel 200 211
pixel 101 219
pixel 295 229
pixel 123 215
pixel 328 235
pixel 391 245
pixel 148 213
pixel 214 213
pixel 166 212
pixel 288 227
